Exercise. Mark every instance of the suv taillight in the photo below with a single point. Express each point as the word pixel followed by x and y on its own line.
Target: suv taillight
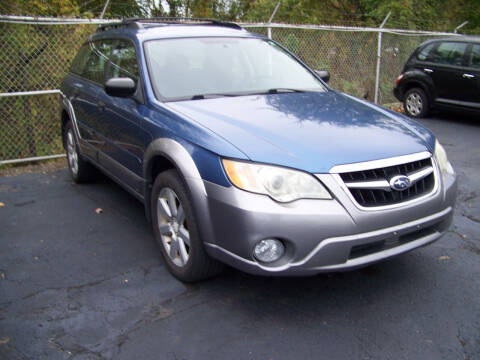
pixel 398 79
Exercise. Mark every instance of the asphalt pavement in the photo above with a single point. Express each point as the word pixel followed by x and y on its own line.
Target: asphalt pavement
pixel 82 278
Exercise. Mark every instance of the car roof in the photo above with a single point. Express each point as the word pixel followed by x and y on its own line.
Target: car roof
pixel 463 38
pixel 161 28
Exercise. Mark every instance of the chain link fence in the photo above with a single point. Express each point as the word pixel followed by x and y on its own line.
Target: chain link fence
pixel 35 56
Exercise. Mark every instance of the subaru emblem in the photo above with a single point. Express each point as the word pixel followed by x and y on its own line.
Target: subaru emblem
pixel 400 182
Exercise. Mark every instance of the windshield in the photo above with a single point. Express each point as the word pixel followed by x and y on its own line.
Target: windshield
pixel 198 67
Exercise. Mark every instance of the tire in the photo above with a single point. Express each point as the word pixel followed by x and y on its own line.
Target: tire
pixel 80 170
pixel 415 103
pixel 176 230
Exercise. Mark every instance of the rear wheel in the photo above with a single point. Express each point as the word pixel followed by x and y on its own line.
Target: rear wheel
pixel 415 103
pixel 176 230
pixel 80 170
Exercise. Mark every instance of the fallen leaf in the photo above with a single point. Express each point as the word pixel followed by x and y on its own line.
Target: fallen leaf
pixel 164 313
pixel 444 257
pixel 99 210
pixel 397 108
pixel 4 340
pixel 2 204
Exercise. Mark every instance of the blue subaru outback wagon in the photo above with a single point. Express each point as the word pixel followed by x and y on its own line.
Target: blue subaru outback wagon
pixel 243 155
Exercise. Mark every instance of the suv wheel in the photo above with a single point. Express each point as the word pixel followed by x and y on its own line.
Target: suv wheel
pixel 176 231
pixel 80 170
pixel 415 103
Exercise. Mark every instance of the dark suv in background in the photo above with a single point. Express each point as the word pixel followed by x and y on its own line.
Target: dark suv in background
pixel 441 72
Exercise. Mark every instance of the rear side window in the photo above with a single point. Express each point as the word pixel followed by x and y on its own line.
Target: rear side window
pixel 424 54
pixel 449 53
pixel 475 57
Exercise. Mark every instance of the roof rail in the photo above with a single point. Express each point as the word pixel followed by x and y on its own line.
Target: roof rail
pixel 140 23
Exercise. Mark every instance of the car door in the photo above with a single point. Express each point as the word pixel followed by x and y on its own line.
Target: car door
pixel 472 76
pixel 82 93
pixel 120 118
pixel 446 66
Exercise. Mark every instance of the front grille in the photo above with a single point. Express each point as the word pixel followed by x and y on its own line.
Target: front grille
pixel 371 188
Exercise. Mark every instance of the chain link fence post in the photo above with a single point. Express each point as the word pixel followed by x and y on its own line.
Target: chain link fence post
pixel 269 30
pixel 379 57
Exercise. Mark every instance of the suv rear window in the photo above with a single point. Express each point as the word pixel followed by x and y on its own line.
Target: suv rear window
pixel 450 53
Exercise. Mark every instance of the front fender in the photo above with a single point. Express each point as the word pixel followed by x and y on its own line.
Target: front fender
pixel 173 151
pixel 185 157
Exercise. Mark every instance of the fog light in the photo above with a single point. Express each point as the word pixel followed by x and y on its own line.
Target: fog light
pixel 269 250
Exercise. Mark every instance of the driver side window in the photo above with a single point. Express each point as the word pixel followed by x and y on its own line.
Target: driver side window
pixel 95 65
pixel 122 61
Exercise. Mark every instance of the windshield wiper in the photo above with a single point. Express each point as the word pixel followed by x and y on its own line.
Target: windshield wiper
pixel 246 93
pixel 283 90
pixel 212 96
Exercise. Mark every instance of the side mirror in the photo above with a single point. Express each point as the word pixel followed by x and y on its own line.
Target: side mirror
pixel 324 75
pixel 120 87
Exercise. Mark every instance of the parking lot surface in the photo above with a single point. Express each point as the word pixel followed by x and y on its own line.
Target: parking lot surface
pixel 82 278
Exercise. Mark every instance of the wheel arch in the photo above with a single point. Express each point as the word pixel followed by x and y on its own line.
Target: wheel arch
pixel 163 154
pixel 418 79
pixel 416 84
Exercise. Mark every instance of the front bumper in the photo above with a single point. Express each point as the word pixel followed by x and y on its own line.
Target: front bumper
pixel 320 235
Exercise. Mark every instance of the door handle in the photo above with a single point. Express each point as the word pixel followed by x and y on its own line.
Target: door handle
pixel 468 76
pixel 101 106
pixel 427 70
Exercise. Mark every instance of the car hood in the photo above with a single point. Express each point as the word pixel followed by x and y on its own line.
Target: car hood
pixel 312 131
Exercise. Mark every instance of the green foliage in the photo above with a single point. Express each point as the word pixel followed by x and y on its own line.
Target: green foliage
pixel 442 15
pixel 292 43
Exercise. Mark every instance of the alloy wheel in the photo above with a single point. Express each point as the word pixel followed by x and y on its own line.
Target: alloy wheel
pixel 72 153
pixel 414 104
pixel 173 227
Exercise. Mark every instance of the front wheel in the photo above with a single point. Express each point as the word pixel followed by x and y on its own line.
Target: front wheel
pixel 415 103
pixel 176 230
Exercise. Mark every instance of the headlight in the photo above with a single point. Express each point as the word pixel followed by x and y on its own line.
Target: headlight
pixel 442 160
pixel 280 184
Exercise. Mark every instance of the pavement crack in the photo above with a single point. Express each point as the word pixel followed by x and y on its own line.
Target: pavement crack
pixel 156 314
pixel 471 246
pixel 470 196
pixel 471 217
pixel 70 288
